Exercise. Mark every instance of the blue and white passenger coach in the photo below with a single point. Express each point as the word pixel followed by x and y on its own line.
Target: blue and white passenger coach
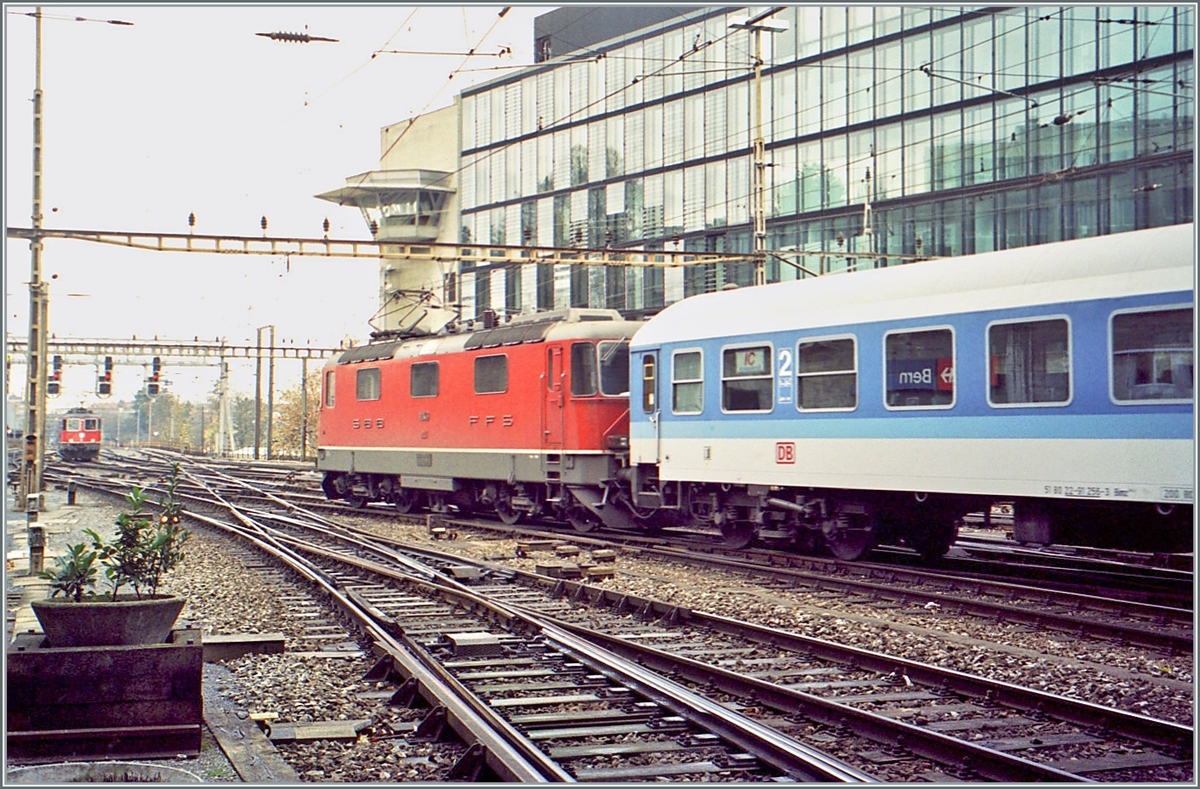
pixel 882 406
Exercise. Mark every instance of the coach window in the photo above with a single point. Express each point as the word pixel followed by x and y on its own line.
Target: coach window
pixel 1029 363
pixel 920 369
pixel 614 368
pixel 687 383
pixel 826 374
pixel 649 383
pixel 491 374
pixel 367 384
pixel 423 380
pixel 1152 356
pixel 583 369
pixel 329 378
pixel 746 379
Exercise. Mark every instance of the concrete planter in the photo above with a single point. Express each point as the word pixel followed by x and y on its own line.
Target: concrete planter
pixel 123 622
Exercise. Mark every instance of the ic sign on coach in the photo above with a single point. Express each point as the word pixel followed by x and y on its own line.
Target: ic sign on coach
pixel 937 374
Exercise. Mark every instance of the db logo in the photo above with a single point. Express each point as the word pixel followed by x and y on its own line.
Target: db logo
pixel 785 452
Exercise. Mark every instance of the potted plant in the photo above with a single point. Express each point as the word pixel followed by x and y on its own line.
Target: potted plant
pixel 143 550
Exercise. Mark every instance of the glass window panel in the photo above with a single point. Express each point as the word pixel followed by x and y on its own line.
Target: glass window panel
pixel 808 93
pixel 861 79
pixel 1010 49
pixel 916 156
pixel 491 374
pixel 1155 33
pixel 1044 38
pixel 836 191
pixel 649 383
pixel 693 199
pixel 423 381
pixel 783 198
pixel 716 193
pixel 947 61
pixel 614 147
pixel 597 145
pixel 1153 356
pixel 826 374
pixel 738 187
pixel 579 155
pixel 947 150
pixel 715 137
pixel 747 380
pixel 634 70
pixel 737 100
pixel 1156 113
pixel 808 30
pixel 673 202
pixel 672 133
pixel 329 388
pixel 584 381
pixel 887 81
pixel 918 90
pixel 499 132
pixel 652 63
pixel 1030 363
pixel 596 103
pixel 861 162
pixel 888 174
pixel 687 383
pixel 614 368
pixel 978 145
pixel 783 100
pixel 634 131
pixel 483 118
pixel 811 176
pixel 545 162
pixel 920 369
pixel 529 167
pixel 529 105
pixel 833 27
pixel 654 140
pixel 366 384
pixel 859 23
pixel 545 99
pixel 693 127
pixel 673 47
pixel 785 40
pixel 887 21
pixel 834 73
pixel 1079 41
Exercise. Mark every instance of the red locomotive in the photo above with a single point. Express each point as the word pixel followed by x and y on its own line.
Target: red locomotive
pixel 79 438
pixel 523 418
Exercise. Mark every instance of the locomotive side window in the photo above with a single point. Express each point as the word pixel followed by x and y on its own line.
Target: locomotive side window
pixel 1152 356
pixel 491 374
pixel 920 369
pixel 423 380
pixel 826 374
pixel 649 383
pixel 329 378
pixel 1030 362
pixel 687 383
pixel 583 369
pixel 367 384
pixel 747 379
pixel 614 368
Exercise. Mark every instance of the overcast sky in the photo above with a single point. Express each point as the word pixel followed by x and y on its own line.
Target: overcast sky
pixel 188 111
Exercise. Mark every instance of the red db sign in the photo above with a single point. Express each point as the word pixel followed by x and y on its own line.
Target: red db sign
pixel 785 452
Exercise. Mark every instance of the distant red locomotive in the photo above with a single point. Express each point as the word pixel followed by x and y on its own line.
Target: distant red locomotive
pixel 521 418
pixel 80 436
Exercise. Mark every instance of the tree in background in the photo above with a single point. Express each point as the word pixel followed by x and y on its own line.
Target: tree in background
pixel 290 418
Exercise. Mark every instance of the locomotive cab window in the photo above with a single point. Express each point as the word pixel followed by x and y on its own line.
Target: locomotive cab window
pixel 91 424
pixel 747 379
pixel 920 368
pixel 70 424
pixel 329 378
pixel 687 383
pixel 423 380
pixel 583 369
pixel 366 384
pixel 1152 356
pixel 1029 363
pixel 826 374
pixel 491 374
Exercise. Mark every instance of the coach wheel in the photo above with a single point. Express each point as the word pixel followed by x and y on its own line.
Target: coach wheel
pixel 405 500
pixel 851 536
pixel 932 543
pixel 504 509
pixel 737 534
pixel 356 501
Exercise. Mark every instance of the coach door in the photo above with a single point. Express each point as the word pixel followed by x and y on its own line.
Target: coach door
pixel 552 399
pixel 650 404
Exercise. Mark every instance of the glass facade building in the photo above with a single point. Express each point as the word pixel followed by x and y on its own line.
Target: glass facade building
pixel 891 134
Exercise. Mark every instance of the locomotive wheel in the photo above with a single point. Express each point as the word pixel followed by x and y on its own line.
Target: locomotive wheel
pixel 405 500
pixel 504 509
pixel 737 534
pixel 852 537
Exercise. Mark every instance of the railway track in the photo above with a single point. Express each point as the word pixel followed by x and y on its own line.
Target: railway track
pixel 804 690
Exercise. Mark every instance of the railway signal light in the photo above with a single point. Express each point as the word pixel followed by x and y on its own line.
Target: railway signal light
pixel 152 383
pixel 54 380
pixel 104 382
